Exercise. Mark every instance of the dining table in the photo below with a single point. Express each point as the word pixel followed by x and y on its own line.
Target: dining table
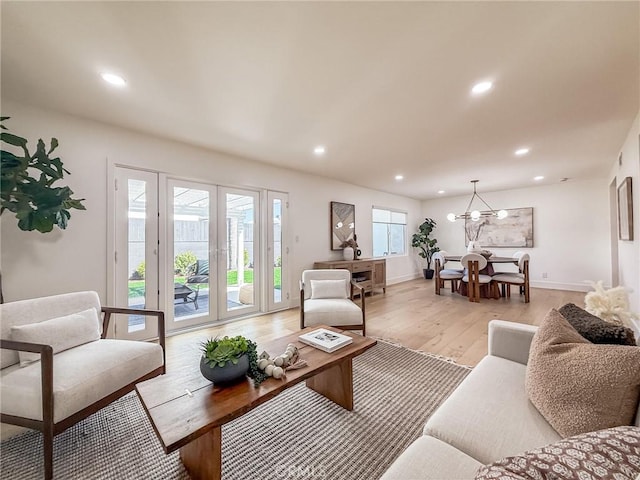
pixel 489 290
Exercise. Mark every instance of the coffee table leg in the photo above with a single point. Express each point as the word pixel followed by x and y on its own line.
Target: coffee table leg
pixel 336 384
pixel 202 457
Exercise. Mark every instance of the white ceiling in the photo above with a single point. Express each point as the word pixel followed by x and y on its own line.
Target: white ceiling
pixel 385 86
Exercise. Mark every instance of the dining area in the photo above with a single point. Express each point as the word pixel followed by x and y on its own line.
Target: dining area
pixel 477 275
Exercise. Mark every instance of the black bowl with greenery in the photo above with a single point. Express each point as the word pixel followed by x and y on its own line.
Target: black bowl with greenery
pixel 229 359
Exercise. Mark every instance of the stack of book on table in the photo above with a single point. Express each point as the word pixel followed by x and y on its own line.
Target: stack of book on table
pixel 325 340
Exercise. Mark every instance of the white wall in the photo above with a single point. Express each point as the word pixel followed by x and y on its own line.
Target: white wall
pixel 35 264
pixel 629 251
pixel 570 230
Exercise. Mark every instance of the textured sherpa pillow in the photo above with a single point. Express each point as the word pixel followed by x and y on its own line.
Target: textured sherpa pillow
pixel 579 386
pixel 594 328
pixel 613 453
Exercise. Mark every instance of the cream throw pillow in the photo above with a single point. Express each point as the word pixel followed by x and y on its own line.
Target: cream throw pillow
pixel 328 288
pixel 579 386
pixel 61 333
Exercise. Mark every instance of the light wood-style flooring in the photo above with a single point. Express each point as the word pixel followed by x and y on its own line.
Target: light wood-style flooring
pixel 410 314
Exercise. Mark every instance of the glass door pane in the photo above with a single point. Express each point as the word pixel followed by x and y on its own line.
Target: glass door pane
pixel 191 237
pixel 277 252
pixel 136 255
pixel 239 262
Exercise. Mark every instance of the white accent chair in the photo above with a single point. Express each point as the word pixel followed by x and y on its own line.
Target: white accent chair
pixel 325 299
pixel 445 274
pixel 521 279
pixel 474 262
pixel 57 367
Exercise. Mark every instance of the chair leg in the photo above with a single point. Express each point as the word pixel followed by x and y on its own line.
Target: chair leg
pixel 454 286
pixel 526 293
pixel 47 447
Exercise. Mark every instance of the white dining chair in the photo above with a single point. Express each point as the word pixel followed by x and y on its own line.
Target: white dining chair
pixel 445 274
pixel 474 263
pixel 521 278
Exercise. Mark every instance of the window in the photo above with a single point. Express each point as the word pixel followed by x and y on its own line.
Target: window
pixel 389 232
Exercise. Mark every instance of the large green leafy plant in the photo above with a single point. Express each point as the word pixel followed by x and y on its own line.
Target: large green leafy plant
pixel 35 201
pixel 426 246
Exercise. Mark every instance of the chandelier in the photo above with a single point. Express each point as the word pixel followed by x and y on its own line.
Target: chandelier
pixel 476 215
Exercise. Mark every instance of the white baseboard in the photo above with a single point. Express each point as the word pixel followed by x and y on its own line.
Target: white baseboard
pixel 573 287
pixel 403 278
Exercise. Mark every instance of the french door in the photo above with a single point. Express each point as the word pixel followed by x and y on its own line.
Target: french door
pixel 238 251
pixel 277 263
pixel 192 241
pixel 136 253
pixel 197 251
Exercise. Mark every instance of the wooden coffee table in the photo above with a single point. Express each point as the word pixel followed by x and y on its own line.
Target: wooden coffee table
pixel 187 412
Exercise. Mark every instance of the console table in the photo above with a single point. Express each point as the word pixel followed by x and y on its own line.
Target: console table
pixel 369 273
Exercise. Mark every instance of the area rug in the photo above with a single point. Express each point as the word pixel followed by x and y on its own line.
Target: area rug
pixel 298 434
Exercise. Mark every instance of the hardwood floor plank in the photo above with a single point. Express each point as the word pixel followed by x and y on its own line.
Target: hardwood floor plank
pixel 410 313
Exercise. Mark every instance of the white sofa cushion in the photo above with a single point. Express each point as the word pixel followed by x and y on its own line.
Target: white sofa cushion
pixel 328 289
pixel 333 311
pixel 430 459
pixel 489 416
pixel 62 333
pixel 39 309
pixel 81 376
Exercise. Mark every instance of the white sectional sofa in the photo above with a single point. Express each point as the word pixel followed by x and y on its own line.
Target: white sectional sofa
pixel 488 417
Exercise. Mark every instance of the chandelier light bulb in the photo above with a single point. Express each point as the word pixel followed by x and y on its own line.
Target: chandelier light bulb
pixel 502 214
pixel 451 217
pixel 475 215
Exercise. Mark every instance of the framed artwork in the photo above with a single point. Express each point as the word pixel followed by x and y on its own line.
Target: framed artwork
pixel 514 231
pixel 625 210
pixel 343 223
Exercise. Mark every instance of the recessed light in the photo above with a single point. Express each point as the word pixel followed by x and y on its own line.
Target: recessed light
pixel 538 178
pixel 319 150
pixel 481 87
pixel 114 79
pixel 521 151
pixel 440 192
pixel 399 177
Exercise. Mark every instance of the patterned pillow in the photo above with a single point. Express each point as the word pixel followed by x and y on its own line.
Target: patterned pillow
pixel 613 453
pixel 594 328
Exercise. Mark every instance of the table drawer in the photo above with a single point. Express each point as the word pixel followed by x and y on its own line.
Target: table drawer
pixel 361 266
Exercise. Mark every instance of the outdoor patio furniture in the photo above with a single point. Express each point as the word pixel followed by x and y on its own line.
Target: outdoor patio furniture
pixel 182 292
pixel 199 273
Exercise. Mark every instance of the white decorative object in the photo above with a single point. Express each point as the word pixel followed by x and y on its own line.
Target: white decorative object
pixel 347 253
pixel 610 305
pixel 474 247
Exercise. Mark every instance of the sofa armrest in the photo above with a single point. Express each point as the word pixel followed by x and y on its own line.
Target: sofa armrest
pixel 510 340
pixel 46 376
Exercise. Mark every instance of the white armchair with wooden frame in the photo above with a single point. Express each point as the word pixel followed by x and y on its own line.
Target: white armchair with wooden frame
pixel 57 367
pixel 325 299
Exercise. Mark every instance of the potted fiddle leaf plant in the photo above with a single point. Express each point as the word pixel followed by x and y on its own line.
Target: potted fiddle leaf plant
pixel 426 246
pixel 228 359
pixel 28 189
